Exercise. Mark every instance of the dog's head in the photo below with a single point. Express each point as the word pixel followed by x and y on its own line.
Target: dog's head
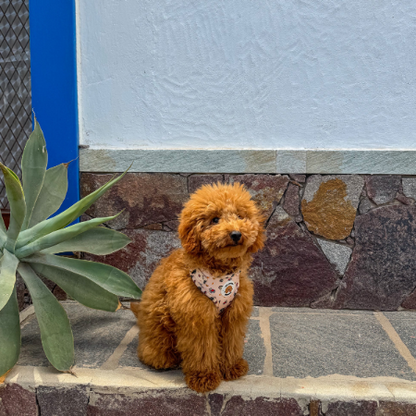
pixel 221 221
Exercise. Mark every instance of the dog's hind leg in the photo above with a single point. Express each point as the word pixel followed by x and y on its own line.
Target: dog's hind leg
pixel 157 341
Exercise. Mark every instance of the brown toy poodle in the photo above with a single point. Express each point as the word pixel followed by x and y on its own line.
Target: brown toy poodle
pixel 195 308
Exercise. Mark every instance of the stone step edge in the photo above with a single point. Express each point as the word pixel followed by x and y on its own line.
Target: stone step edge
pixel 130 380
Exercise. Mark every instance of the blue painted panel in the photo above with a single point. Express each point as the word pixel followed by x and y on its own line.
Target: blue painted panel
pixel 54 83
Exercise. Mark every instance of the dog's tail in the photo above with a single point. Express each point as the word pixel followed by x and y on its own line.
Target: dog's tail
pixel 134 306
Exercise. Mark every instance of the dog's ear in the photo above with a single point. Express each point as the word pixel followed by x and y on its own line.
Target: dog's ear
pixel 261 234
pixel 189 236
pixel 259 243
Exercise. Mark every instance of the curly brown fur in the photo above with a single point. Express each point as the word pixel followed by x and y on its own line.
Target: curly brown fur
pixel 178 324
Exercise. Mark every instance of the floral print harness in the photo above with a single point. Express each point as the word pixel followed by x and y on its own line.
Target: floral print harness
pixel 221 290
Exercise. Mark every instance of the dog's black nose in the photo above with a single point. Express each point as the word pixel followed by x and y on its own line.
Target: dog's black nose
pixel 235 235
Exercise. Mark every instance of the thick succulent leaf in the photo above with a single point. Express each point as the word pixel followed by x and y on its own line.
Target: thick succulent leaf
pixel 79 288
pixel 59 236
pixel 108 277
pixel 66 217
pixel 34 161
pixel 3 239
pixel 8 266
pixel 16 199
pixel 52 194
pixel 55 330
pixel 3 232
pixel 2 225
pixel 99 241
pixel 9 334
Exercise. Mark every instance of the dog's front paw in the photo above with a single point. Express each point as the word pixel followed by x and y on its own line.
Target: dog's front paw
pixel 202 382
pixel 239 369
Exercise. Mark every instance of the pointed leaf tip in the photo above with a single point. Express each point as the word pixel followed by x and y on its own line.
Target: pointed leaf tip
pixel 52 194
pixel 66 217
pixel 34 161
pixel 16 200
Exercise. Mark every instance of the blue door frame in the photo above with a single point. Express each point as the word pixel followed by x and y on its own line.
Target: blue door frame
pixel 54 83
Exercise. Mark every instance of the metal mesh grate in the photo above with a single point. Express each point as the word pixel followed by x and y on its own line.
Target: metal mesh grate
pixel 15 88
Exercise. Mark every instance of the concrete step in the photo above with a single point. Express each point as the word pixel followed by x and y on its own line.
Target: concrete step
pixel 302 362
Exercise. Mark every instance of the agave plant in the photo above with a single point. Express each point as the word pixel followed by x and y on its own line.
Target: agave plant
pixel 30 246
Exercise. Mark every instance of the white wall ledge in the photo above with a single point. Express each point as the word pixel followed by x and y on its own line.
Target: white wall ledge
pixel 381 162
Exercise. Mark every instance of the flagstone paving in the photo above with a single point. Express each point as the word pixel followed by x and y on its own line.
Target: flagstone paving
pixel 302 362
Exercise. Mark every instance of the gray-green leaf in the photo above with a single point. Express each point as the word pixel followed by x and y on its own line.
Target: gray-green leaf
pixel 2 225
pixel 55 330
pixel 108 277
pixel 9 334
pixel 8 266
pixel 51 195
pixel 79 288
pixel 34 161
pixel 64 218
pixel 99 241
pixel 3 232
pixel 3 238
pixel 60 236
pixel 16 199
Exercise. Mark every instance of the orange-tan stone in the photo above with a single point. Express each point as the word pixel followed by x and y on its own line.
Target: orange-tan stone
pixel 330 213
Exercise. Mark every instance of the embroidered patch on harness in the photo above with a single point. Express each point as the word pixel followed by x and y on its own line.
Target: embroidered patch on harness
pixel 221 290
pixel 228 289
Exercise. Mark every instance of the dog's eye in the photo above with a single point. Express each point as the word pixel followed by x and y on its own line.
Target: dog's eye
pixel 215 220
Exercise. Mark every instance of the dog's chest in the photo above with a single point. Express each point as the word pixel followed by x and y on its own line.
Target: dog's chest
pixel 221 290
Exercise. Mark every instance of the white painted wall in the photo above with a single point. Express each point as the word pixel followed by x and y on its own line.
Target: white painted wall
pixel 247 74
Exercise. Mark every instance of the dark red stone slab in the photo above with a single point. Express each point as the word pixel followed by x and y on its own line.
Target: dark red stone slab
pixel 290 270
pixel 15 400
pixel 196 181
pixel 60 401
pixel 215 403
pixel 396 409
pixel 146 198
pixel 266 190
pixel 382 188
pixel 261 406
pixel 382 270
pixel 410 301
pixel 140 258
pixel 359 408
pixel 292 200
pixel 298 178
pixel 171 225
pixel 150 403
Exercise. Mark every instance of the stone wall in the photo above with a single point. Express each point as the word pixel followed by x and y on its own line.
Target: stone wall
pixel 333 241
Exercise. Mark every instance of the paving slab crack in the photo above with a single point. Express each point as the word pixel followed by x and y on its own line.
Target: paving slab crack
pixel 112 361
pixel 397 341
pixel 227 398
pixel 264 318
pixel 207 405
